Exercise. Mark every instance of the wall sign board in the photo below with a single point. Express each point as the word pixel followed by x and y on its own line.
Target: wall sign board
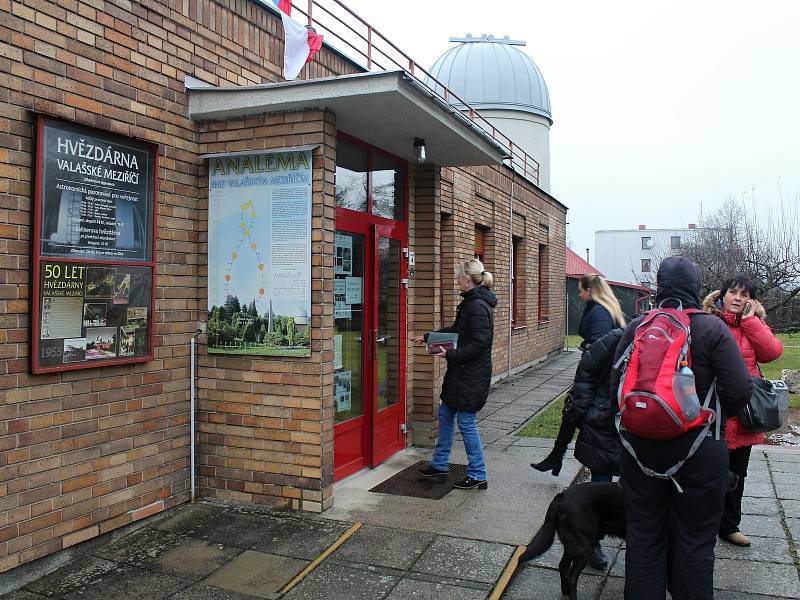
pixel 259 253
pixel 93 255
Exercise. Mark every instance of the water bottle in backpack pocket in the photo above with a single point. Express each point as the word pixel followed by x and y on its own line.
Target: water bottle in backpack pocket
pixel 683 387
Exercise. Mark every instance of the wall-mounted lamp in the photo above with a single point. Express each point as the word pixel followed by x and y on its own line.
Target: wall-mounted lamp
pixel 419 151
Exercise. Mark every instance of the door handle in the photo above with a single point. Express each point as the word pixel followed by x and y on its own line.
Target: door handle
pixel 369 345
pixel 384 339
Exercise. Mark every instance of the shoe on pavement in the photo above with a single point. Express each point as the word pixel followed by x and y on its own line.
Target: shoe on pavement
pixel 737 538
pixel 468 483
pixel 430 471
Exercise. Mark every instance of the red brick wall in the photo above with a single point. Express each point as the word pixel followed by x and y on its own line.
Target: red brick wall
pixel 85 452
pixel 442 232
pixel 266 424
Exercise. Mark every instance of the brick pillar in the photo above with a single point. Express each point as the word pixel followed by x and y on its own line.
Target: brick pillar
pixel 423 301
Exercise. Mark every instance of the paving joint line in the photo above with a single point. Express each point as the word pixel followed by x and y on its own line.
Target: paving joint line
pixel 792 543
pixel 318 561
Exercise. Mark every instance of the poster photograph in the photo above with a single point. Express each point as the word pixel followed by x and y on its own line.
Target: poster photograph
pixel 100 282
pixel 75 350
pixel 137 316
pixel 122 288
pixel 94 315
pixel 259 254
pixel 101 342
pixel 93 254
pixel 127 341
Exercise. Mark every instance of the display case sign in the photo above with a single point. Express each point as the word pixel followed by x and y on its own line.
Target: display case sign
pixel 259 253
pixel 94 256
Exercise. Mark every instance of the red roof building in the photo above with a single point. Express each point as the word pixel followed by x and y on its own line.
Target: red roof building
pixel 577 267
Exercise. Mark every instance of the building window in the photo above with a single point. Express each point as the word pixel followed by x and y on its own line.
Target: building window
pixel 675 242
pixel 517 281
pixel 388 188
pixel 645 265
pixel 480 243
pixel 647 243
pixel 544 284
pixel 369 181
pixel 351 176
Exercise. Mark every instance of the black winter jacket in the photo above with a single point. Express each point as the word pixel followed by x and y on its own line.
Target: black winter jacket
pixel 714 353
pixel 597 447
pixel 596 321
pixel 469 366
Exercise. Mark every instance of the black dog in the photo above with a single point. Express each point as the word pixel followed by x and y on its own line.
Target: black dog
pixel 582 515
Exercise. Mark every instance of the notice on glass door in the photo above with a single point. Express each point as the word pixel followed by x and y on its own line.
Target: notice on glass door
pixel 342 383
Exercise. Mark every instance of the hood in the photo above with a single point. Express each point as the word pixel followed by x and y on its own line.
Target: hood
pixel 678 277
pixel 710 307
pixel 481 292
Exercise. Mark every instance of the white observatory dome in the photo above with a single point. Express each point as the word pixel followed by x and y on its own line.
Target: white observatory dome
pixel 499 80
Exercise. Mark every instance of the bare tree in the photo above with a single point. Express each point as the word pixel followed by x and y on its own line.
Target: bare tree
pixel 759 242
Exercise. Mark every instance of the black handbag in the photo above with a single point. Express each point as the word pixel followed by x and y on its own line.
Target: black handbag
pixel 763 411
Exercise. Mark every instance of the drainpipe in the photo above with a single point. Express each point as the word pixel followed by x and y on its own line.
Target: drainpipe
pixel 510 266
pixel 192 466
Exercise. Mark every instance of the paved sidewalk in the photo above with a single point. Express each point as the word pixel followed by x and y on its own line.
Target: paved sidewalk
pixel 768 569
pixel 515 400
pixel 377 546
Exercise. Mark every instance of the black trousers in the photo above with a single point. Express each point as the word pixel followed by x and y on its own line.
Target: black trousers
pixel 671 532
pixel 738 460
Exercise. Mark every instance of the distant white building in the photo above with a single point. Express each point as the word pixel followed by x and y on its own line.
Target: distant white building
pixel 633 255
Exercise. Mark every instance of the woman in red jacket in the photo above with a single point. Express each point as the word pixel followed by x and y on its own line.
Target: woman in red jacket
pixel 736 304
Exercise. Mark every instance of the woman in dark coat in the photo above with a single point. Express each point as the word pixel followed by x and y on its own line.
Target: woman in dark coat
pixel 469 373
pixel 601 314
pixel 597 447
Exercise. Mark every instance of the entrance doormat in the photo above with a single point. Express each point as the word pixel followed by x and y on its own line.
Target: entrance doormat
pixel 409 482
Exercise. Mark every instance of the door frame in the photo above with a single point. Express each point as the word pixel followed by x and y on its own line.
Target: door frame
pixel 372 229
pixel 358 222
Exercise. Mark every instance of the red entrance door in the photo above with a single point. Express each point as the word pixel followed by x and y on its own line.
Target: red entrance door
pixel 369 343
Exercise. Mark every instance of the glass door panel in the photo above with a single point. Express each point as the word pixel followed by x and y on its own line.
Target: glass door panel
pixel 388 335
pixel 349 327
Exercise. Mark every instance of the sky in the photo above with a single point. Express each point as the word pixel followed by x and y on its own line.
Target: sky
pixel 660 109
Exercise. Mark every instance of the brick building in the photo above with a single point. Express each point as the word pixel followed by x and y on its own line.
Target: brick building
pixel 86 450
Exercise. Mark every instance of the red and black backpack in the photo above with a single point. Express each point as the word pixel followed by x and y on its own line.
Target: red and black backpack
pixel 649 393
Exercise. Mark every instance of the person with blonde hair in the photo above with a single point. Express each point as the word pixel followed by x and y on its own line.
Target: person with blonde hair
pixel 588 405
pixel 602 312
pixel 469 373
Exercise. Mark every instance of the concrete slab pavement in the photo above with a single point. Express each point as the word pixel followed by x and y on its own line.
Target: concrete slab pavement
pixel 409 548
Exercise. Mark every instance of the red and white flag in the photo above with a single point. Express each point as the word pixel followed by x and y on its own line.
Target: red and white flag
pixel 301 43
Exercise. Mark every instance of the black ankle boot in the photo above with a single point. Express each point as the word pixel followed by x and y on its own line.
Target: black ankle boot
pixel 598 559
pixel 551 463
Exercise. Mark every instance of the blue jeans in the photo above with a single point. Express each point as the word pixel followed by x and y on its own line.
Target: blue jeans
pixel 468 426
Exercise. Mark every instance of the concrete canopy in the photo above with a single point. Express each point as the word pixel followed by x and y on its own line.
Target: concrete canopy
pixel 386 109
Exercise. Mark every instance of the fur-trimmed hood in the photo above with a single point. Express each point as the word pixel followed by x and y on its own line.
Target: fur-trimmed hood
pixel 710 307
